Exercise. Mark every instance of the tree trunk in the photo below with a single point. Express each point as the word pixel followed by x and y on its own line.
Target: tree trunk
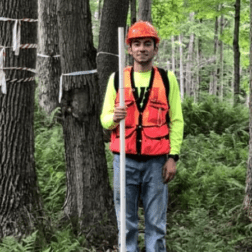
pixel 133 11
pixel 221 59
pixel 236 52
pixel 114 15
pixel 89 197
pixel 173 54
pixel 216 49
pixel 48 66
pixel 20 203
pixel 189 85
pixel 248 191
pixel 129 58
pixel 197 77
pixel 181 79
pixel 144 10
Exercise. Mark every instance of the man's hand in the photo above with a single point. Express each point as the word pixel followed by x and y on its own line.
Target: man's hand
pixel 169 170
pixel 119 114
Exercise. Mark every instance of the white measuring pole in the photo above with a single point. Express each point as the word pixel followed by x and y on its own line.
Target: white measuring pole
pixel 122 144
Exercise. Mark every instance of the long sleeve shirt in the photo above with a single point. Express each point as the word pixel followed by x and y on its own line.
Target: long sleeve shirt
pixel 142 80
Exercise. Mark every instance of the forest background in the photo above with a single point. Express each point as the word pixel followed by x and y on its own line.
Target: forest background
pixel 206 199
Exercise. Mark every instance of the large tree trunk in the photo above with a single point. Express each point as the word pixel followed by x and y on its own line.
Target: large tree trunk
pixel 113 16
pixel 144 10
pixel 20 203
pixel 236 52
pixel 89 197
pixel 248 191
pixel 48 62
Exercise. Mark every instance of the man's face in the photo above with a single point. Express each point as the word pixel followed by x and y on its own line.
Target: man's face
pixel 143 50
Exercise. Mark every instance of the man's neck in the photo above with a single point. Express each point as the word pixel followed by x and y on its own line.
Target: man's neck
pixel 142 68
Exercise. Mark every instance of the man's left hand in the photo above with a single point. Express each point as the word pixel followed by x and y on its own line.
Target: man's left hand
pixel 169 170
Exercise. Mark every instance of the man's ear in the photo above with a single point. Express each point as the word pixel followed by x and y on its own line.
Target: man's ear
pixel 129 50
pixel 156 49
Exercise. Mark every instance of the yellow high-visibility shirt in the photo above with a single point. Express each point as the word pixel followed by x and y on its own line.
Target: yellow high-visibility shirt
pixel 142 80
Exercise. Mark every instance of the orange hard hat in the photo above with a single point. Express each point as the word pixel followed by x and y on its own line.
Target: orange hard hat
pixel 142 29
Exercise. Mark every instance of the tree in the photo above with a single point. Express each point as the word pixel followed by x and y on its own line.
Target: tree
pixel 20 204
pixel 248 191
pixel 216 50
pixel 48 62
pixel 181 71
pixel 114 15
pixel 189 83
pixel 144 10
pixel 236 51
pixel 89 198
pixel 221 58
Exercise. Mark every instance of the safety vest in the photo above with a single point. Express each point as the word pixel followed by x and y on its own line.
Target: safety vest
pixel 146 127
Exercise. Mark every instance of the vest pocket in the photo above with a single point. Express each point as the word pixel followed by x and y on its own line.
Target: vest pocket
pixel 157 113
pixel 155 140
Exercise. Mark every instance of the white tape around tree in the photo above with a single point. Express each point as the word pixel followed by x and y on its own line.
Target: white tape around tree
pixel 16 36
pixel 22 19
pixel 19 68
pixel 22 46
pixel 73 74
pixel 2 73
pixel 113 54
pixel 16 33
pixel 47 56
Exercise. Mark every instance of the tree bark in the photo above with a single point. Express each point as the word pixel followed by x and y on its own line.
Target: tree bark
pixel 144 10
pixel 181 79
pixel 89 197
pixel 48 68
pixel 236 52
pixel 216 49
pixel 197 79
pixel 133 17
pixel 114 15
pixel 20 204
pixel 189 85
pixel 221 58
pixel 133 11
pixel 248 191
pixel 173 54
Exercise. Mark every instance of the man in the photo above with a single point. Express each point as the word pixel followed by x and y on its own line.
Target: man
pixel 153 131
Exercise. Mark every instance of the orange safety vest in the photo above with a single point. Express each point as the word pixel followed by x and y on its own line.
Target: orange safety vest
pixel 146 128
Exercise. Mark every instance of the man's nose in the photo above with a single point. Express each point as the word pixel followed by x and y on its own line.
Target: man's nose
pixel 142 47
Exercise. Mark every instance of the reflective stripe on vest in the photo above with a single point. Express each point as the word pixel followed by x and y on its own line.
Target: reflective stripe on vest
pixel 146 129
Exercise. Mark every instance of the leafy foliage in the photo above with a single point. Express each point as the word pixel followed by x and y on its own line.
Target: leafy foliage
pixel 214 115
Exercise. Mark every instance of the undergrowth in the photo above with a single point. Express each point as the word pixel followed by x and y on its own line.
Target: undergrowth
pixel 205 199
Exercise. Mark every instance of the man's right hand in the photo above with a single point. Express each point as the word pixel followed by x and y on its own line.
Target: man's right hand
pixel 119 114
